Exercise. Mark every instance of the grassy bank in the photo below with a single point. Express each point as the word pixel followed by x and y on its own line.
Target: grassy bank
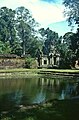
pixel 18 72
pixel 21 71
pixel 38 70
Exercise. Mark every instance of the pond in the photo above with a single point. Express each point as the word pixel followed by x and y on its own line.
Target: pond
pixel 25 91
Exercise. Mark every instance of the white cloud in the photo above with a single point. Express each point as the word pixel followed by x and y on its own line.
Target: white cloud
pixel 43 12
pixel 48 13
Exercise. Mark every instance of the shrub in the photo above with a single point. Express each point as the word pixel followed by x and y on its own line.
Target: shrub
pixel 30 63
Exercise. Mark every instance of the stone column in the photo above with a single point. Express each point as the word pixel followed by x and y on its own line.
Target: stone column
pixel 57 60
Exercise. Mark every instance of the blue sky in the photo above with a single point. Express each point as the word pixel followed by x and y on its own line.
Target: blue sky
pixel 49 1
pixel 61 27
pixel 52 1
pixel 49 13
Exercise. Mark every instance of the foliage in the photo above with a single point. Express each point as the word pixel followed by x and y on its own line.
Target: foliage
pixel 18 35
pixel 30 62
pixel 25 27
pixel 7 25
pixel 17 32
pixel 51 39
pixel 71 41
pixel 5 48
pixel 72 11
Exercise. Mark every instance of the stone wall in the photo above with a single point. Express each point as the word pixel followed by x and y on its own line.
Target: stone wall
pixel 12 63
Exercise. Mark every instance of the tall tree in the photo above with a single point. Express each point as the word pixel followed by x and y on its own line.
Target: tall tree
pixel 72 13
pixel 71 50
pixel 34 45
pixel 7 25
pixel 51 39
pixel 25 27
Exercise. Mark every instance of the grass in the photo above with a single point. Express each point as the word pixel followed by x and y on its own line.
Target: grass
pixel 38 70
pixel 22 72
pixel 61 70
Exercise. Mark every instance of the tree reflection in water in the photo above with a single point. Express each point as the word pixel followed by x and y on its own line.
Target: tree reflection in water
pixel 18 92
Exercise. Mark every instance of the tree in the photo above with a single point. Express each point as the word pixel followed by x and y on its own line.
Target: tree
pixel 35 43
pixel 67 38
pixel 25 27
pixel 16 48
pixel 72 41
pixel 72 11
pixel 5 47
pixel 17 32
pixel 51 39
pixel 71 50
pixel 7 25
pixel 67 56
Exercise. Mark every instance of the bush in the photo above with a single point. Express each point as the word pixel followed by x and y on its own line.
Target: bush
pixel 30 63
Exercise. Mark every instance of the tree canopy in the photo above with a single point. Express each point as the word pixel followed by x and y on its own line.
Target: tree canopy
pixel 72 11
pixel 18 35
pixel 51 39
pixel 17 29
pixel 72 39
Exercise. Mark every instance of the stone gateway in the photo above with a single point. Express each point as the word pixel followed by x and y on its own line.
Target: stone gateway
pixel 51 60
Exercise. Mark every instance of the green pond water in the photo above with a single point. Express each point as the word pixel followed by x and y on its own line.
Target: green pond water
pixel 27 91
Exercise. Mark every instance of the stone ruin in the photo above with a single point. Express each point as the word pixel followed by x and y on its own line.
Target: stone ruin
pixel 51 60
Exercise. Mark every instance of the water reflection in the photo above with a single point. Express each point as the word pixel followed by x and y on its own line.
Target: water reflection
pixel 35 90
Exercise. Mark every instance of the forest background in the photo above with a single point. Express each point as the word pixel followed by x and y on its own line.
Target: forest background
pixel 19 35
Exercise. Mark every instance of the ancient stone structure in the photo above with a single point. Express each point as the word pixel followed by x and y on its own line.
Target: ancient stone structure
pixel 11 61
pixel 77 64
pixel 51 60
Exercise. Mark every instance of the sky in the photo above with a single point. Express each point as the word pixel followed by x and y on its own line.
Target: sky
pixel 48 13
